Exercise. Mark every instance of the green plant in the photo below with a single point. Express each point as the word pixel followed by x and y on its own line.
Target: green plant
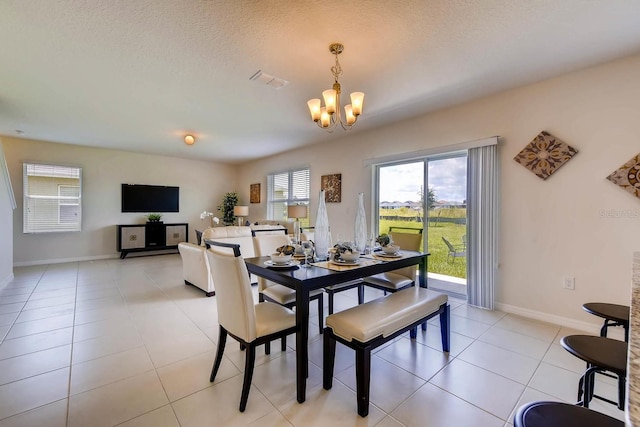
pixel 229 201
pixel 154 217
pixel 383 239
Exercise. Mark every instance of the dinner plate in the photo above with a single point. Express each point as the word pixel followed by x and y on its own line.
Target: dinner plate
pixel 385 255
pixel 290 264
pixel 344 262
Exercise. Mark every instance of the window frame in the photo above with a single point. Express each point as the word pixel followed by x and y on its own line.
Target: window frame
pixel 39 217
pixel 292 197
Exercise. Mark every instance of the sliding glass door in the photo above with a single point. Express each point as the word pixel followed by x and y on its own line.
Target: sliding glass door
pixel 439 213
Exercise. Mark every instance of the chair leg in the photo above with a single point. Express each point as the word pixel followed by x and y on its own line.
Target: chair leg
pixel 581 388
pixel 222 340
pixel 321 313
pixel 250 360
pixel 283 344
pixel 445 330
pixel 267 347
pixel 330 296
pixel 328 359
pixel 413 333
pixel 363 378
pixel 360 294
pixel 621 391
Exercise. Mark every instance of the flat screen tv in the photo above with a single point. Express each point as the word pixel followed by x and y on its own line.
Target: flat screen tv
pixel 150 198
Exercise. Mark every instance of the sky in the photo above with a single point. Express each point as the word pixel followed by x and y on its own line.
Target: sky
pixel 447 177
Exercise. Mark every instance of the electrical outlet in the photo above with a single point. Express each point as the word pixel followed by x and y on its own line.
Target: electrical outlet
pixel 569 283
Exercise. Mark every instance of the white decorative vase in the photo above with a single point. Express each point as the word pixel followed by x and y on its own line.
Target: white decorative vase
pixel 360 230
pixel 321 231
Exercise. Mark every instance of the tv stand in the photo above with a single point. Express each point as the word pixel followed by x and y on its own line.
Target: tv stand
pixel 152 236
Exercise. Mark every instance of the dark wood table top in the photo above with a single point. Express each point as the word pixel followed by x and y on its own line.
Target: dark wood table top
pixel 317 277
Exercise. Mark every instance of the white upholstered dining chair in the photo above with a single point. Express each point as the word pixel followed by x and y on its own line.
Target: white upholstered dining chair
pixel 251 325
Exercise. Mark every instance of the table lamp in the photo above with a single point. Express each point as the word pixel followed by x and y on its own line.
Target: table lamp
pixel 240 212
pixel 296 211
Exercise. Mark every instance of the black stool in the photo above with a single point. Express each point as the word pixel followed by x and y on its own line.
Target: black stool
pixel 601 354
pixel 613 315
pixel 557 414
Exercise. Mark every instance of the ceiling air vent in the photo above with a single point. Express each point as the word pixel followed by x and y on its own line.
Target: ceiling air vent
pixel 268 79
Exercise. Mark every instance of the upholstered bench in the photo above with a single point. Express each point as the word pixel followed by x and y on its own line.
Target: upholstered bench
pixel 367 326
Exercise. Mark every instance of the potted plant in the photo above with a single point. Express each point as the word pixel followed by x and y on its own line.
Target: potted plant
pixel 154 217
pixel 229 201
pixel 383 240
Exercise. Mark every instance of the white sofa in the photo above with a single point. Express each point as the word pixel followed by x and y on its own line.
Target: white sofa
pixel 195 267
pixel 287 223
pixel 195 264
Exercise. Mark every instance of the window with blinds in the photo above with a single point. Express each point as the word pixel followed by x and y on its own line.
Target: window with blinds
pixel 287 188
pixel 52 198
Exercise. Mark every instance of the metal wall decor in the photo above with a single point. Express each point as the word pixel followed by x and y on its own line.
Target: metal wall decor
pixel 545 155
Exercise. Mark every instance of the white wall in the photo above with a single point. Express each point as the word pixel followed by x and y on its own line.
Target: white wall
pixel 6 226
pixel 548 229
pixel 201 183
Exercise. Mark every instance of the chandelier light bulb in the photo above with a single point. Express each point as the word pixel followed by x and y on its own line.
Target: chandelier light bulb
pixel 189 139
pixel 314 109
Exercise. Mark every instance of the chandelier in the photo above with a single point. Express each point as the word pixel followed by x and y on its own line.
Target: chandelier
pixel 329 116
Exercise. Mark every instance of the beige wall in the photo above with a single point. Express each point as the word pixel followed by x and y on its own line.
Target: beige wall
pixel 6 227
pixel 202 185
pixel 548 229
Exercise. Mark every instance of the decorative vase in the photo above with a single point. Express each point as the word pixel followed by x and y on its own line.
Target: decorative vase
pixel 321 232
pixel 360 230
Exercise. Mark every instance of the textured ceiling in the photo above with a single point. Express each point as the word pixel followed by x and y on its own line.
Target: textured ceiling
pixel 139 74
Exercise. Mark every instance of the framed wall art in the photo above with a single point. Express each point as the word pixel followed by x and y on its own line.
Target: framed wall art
pixel 254 193
pixel 627 176
pixel 545 155
pixel 332 186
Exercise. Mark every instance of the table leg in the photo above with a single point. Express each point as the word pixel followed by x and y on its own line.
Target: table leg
pixel 422 270
pixel 302 338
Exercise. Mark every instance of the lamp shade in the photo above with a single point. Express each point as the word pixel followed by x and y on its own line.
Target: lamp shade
pixel 297 211
pixel 241 211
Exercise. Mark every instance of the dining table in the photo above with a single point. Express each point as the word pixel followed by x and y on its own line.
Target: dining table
pixel 317 275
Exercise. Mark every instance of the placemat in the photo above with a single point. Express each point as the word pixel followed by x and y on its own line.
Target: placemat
pixel 335 267
pixel 383 258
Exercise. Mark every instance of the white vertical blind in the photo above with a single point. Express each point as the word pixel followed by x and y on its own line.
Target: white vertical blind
pixel 287 188
pixel 52 198
pixel 482 225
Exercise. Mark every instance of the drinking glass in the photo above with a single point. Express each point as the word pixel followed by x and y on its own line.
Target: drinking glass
pixel 307 249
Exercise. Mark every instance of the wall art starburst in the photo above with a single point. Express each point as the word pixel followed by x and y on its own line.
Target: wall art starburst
pixel 627 176
pixel 545 154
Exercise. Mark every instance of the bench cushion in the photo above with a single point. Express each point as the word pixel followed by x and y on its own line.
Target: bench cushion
pixel 385 315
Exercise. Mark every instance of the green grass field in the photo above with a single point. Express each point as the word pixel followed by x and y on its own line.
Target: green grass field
pixel 438 262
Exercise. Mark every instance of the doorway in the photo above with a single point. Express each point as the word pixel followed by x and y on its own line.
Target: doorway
pixel 440 212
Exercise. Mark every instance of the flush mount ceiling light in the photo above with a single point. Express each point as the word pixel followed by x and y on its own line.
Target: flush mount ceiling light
pixel 329 116
pixel 189 139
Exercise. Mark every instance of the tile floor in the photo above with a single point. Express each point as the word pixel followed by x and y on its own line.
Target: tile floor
pixel 125 342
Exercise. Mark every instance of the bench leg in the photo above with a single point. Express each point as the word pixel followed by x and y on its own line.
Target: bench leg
pixel 328 358
pixel 444 328
pixel 363 377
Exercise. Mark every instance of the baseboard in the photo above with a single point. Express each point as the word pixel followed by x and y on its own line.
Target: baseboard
pixel 593 328
pixel 6 280
pixel 63 260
